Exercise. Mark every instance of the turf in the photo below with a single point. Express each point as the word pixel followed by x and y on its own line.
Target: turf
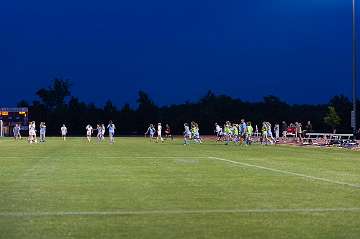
pixel 138 189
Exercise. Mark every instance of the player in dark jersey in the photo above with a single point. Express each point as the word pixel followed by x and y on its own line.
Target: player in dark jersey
pixel 168 132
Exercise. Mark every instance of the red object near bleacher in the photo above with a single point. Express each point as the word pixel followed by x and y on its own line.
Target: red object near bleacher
pixel 291 130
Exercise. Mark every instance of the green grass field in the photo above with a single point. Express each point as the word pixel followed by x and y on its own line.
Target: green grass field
pixel 138 189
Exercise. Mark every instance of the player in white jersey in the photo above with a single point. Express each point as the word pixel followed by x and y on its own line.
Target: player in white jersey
pixel 218 132
pixel 151 131
pixel 103 129
pixel 99 131
pixel 277 132
pixel 187 134
pixel 269 133
pixel 195 132
pixel 111 128
pixel 63 132
pixel 32 132
pixel 159 137
pixel 89 131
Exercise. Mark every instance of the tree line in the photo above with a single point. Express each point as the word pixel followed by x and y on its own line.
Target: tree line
pixel 56 106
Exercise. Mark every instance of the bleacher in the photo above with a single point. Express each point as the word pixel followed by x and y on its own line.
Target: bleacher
pixel 327 138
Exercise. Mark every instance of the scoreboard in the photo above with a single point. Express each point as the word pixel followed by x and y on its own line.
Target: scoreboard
pixel 12 116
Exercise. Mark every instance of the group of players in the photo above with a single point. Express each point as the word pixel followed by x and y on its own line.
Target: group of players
pixel 151 132
pixel 190 132
pixel 100 128
pixel 244 133
pixel 238 133
pixel 233 132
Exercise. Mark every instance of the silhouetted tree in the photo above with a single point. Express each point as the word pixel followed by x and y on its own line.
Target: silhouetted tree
pixel 110 111
pixel 23 103
pixel 55 108
pixel 109 107
pixel 146 112
pixel 332 118
pixel 127 118
pixel 54 96
pixel 343 107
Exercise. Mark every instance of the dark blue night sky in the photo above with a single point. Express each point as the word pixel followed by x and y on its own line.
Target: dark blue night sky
pixel 299 50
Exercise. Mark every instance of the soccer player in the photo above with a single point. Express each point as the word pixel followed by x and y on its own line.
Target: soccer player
pixel 264 138
pixel 267 133
pixel 270 134
pixel 235 133
pixel 218 132
pixel 159 137
pixel 195 132
pixel 168 132
pixel 249 132
pixel 99 131
pixel 187 134
pixel 16 132
pixel 277 132
pixel 32 132
pixel 151 131
pixel 111 128
pixel 42 132
pixel 256 135
pixel 103 129
pixel 89 131
pixel 242 129
pixel 227 132
pixel 63 132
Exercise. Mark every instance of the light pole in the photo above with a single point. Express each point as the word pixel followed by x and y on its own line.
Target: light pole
pixel 354 69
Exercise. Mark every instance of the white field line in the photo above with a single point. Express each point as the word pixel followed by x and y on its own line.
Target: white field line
pixel 287 172
pixel 179 212
pixel 157 157
pixel 24 157
pixel 106 157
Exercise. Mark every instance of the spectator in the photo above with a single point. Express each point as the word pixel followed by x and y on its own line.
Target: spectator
pixel 277 132
pixel 284 128
pixel 308 127
pixel 298 132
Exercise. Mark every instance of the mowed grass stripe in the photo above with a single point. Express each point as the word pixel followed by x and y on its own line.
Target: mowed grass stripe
pixel 179 211
pixel 287 172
